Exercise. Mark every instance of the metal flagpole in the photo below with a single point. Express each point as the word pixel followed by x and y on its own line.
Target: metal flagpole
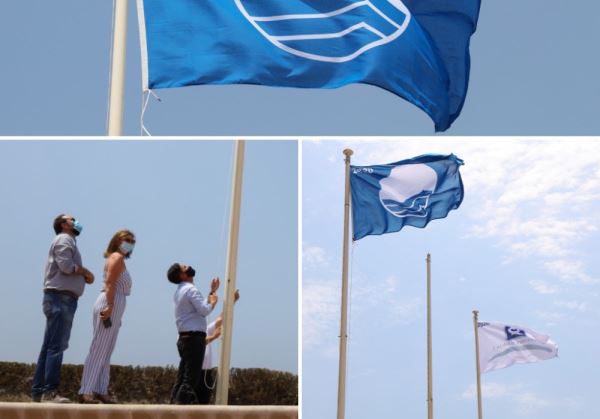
pixel 222 392
pixel 475 325
pixel 341 408
pixel 117 73
pixel 429 348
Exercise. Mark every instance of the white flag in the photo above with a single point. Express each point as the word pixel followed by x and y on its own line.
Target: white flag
pixel 502 345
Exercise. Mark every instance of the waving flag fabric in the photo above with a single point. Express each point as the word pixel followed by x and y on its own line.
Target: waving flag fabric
pixel 417 49
pixel 412 192
pixel 502 345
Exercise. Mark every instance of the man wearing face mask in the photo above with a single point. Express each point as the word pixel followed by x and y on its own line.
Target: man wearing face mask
pixel 64 281
pixel 191 310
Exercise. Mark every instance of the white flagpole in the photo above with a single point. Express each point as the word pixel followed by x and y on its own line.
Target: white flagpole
pixel 475 325
pixel 429 346
pixel 117 73
pixel 341 408
pixel 222 393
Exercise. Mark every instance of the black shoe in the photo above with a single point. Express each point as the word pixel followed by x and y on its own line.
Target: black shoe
pixel 87 399
pixel 105 398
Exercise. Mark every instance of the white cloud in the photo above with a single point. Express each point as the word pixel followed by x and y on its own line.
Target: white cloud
pixel 320 313
pixel 321 309
pixel 525 402
pixel 551 317
pixel 572 305
pixel 384 295
pixel 530 402
pixel 542 287
pixel 491 391
pixel 314 257
pixel 570 270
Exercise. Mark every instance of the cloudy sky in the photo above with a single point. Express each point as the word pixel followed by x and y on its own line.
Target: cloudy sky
pixel 521 249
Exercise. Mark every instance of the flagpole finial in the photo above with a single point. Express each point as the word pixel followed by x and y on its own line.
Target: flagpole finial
pixel 475 313
pixel 348 152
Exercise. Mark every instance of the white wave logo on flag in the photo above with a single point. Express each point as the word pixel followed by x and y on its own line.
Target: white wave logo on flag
pixel 349 31
pixel 407 189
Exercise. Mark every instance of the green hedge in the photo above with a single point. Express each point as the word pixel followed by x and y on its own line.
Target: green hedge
pixel 248 386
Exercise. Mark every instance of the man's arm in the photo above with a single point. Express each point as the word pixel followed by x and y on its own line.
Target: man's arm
pixel 63 256
pixel 204 306
pixel 64 252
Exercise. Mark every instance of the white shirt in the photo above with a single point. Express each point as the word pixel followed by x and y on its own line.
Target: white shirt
pixel 191 308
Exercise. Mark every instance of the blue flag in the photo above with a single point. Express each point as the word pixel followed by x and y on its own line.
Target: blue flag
pixel 411 192
pixel 416 49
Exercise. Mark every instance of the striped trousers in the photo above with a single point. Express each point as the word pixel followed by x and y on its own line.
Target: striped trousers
pixel 96 370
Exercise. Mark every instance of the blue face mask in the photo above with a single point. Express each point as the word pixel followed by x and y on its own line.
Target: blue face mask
pixel 126 247
pixel 77 227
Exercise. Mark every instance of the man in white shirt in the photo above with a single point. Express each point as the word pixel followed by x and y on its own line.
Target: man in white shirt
pixel 191 310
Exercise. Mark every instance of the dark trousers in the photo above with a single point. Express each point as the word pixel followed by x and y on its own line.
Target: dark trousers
pixel 191 350
pixel 207 385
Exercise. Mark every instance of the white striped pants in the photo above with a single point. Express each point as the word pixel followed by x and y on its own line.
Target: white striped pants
pixel 96 370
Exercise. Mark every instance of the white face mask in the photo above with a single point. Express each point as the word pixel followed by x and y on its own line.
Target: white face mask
pixel 126 247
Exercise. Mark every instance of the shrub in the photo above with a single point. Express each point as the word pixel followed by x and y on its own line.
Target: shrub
pixel 152 385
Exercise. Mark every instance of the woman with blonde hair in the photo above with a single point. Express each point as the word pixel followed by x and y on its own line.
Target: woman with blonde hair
pixel 108 311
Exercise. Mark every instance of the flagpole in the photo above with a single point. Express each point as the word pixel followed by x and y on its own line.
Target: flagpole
pixel 475 325
pixel 341 408
pixel 222 392
pixel 429 346
pixel 117 73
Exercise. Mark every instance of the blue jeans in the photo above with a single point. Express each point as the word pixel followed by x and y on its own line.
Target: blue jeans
pixel 59 310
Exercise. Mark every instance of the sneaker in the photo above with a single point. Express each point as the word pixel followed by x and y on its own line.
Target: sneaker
pixel 54 397
pixel 36 398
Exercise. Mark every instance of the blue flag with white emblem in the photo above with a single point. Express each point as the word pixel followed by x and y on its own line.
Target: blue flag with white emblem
pixel 416 49
pixel 411 192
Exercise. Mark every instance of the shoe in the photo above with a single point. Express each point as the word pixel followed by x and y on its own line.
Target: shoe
pixel 53 397
pixel 36 398
pixel 105 398
pixel 87 399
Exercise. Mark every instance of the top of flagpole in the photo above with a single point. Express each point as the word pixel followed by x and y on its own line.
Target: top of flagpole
pixel 348 152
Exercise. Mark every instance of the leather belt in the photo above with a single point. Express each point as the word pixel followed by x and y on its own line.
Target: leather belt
pixel 191 333
pixel 62 292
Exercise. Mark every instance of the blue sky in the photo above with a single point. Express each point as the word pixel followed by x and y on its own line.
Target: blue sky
pixel 175 196
pixel 522 249
pixel 534 72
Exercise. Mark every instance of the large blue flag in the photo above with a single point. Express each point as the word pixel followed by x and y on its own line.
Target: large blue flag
pixel 417 49
pixel 412 192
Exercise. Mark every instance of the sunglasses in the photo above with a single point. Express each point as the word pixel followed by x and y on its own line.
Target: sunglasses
pixel 129 240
